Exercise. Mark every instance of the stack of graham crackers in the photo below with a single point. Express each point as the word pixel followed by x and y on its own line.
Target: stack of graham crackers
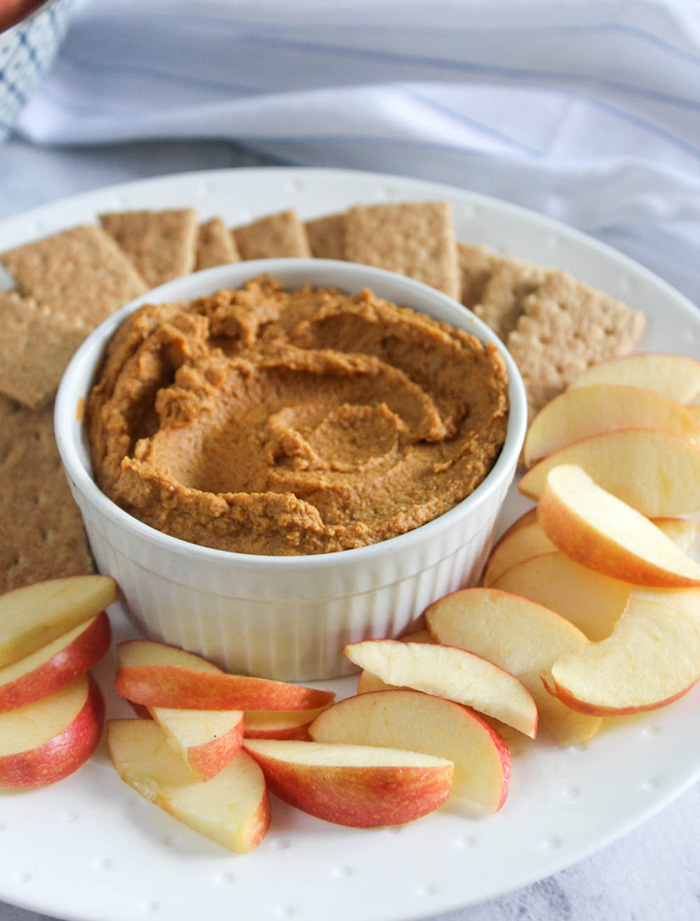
pixel 66 284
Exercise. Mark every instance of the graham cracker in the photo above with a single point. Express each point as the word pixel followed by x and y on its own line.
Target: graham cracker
pixel 415 239
pixel 160 244
pixel 501 303
pixel 41 531
pixel 566 326
pixel 276 235
pixel 80 272
pixel 35 347
pixel 476 265
pixel 327 236
pixel 215 245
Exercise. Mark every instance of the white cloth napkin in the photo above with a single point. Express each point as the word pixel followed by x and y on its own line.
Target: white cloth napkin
pixel 587 110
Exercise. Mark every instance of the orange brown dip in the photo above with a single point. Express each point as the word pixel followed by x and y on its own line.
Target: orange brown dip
pixel 274 422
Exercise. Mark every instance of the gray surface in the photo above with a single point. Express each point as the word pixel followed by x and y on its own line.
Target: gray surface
pixel 650 874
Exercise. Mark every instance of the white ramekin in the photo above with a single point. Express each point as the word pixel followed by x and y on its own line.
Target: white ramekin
pixel 283 617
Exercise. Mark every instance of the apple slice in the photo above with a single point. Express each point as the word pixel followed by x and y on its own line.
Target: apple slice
pixel 357 785
pixel 368 682
pixel 523 637
pixel 232 807
pixel 684 534
pixel 420 636
pixel 598 530
pixel 158 675
pixel 453 673
pixel 206 739
pixel 414 721
pixel 32 616
pixel 51 738
pixel 519 544
pixel 279 724
pixel 526 518
pixel 674 376
pixel 584 411
pixel 142 712
pixel 55 665
pixel 651 659
pixel 654 472
pixel 591 600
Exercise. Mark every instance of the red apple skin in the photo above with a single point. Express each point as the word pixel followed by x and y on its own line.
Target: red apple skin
pixel 14 11
pixel 208 759
pixel 190 689
pixel 142 712
pixel 62 755
pixel 504 753
pixel 368 800
pixel 67 665
pixel 566 697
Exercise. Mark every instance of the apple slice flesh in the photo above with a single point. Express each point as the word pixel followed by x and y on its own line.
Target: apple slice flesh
pixel 674 376
pixel 684 534
pixel 158 675
pixel 598 530
pixel 151 652
pixel 521 636
pixel 206 739
pixel 527 517
pixel 368 682
pixel 414 721
pixel 585 411
pixel 357 785
pixel 232 807
pixel 654 472
pixel 651 659
pixel 526 541
pixel 279 724
pixel 32 616
pixel 51 738
pixel 55 665
pixel 456 674
pixel 590 600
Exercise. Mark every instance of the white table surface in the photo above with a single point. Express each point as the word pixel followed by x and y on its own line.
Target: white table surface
pixel 652 873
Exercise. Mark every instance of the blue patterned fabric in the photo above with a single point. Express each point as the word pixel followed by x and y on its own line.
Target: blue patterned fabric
pixel 27 50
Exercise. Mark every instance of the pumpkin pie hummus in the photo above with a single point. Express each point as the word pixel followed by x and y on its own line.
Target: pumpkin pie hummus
pixel 283 422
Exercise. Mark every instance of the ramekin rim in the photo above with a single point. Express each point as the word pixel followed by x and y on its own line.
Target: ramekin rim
pixel 73 381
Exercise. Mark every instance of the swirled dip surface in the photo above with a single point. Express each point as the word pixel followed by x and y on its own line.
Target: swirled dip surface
pixel 275 422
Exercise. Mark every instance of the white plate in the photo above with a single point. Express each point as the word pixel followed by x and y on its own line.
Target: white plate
pixel 90 848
